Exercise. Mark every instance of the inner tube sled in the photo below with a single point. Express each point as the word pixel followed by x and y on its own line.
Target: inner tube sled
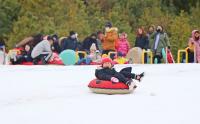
pixel 108 87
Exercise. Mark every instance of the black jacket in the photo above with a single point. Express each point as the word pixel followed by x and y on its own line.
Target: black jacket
pixel 56 47
pixel 88 42
pixel 108 73
pixel 27 56
pixel 142 42
pixel 69 43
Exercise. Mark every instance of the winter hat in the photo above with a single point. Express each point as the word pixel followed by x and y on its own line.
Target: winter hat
pixel 93 47
pixel 104 60
pixel 72 33
pixel 108 24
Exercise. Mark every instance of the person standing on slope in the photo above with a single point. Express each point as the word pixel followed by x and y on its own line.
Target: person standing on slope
pixel 161 41
pixel 194 45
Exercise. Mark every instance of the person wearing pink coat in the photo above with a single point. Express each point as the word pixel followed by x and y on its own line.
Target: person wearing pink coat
pixel 194 44
pixel 122 45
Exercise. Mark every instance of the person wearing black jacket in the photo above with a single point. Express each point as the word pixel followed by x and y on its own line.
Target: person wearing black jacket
pixel 56 46
pixel 70 42
pixel 142 40
pixel 87 43
pixel 107 72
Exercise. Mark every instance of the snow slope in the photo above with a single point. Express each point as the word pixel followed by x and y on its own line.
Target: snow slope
pixel 169 94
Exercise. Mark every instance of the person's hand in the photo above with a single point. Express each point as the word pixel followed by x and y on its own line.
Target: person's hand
pixel 114 79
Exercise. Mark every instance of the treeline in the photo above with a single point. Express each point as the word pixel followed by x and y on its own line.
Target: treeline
pixel 22 18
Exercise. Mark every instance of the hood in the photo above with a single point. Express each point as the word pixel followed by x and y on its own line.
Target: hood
pixel 113 29
pixel 193 32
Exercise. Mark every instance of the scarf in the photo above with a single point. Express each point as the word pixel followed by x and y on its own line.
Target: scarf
pixel 157 41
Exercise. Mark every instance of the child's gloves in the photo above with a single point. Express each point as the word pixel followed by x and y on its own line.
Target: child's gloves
pixel 114 79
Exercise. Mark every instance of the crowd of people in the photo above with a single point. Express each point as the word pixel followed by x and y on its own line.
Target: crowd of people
pixel 99 44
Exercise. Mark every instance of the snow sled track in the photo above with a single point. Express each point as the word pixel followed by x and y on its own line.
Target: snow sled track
pixel 59 94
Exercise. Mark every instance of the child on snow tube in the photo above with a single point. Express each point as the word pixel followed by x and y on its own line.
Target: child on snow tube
pixel 24 56
pixel 107 72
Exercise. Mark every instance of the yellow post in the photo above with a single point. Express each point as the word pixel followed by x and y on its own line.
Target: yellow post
pixel 149 53
pixel 82 52
pixel 111 53
pixel 186 55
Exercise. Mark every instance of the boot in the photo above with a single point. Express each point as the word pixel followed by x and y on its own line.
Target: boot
pixel 44 62
pixel 35 61
pixel 139 77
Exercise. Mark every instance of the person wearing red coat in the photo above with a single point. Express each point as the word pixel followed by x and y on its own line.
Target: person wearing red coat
pixel 107 72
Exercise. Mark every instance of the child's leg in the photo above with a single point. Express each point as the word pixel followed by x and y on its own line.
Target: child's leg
pixel 28 59
pixel 190 56
pixel 145 58
pixel 127 72
pixel 20 59
pixel 158 57
pixel 121 77
pixel 36 60
pixel 80 61
pixel 88 60
pixel 45 57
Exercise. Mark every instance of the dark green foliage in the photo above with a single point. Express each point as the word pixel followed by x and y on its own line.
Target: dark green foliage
pixel 9 11
pixel 22 18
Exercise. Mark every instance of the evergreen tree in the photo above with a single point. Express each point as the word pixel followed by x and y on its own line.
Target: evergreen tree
pixel 23 18
pixel 195 17
pixel 9 10
pixel 180 31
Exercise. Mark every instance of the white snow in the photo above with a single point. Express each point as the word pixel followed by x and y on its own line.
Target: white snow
pixel 168 94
